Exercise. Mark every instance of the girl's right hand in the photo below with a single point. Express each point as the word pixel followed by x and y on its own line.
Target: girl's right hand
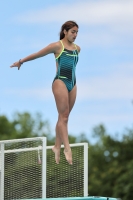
pixel 16 64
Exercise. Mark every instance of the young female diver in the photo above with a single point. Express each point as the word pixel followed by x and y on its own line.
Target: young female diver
pixel 64 84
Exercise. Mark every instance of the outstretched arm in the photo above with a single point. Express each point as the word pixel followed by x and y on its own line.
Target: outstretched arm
pixel 51 48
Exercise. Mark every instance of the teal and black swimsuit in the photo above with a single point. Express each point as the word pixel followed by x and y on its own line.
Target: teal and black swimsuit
pixel 67 61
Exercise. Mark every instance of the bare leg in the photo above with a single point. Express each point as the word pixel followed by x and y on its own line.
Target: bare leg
pixel 64 103
pixel 72 98
pixel 58 140
pixel 56 148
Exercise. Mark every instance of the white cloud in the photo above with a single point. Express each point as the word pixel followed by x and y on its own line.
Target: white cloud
pixel 116 85
pixel 114 123
pixel 88 12
pixel 101 117
pixel 98 38
pixel 107 22
pixel 112 87
pixel 36 93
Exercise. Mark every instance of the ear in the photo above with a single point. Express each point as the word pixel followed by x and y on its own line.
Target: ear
pixel 65 32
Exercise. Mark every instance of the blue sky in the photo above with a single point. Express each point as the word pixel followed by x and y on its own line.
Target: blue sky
pixel 105 68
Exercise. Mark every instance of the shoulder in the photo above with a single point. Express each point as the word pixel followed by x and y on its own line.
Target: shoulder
pixel 78 48
pixel 55 46
pixel 51 48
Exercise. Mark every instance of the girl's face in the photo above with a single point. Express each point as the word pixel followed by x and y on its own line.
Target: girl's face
pixel 71 34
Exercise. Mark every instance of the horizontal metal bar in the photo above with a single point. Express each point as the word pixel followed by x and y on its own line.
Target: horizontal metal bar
pixel 23 150
pixel 21 140
pixel 71 145
pixel 40 148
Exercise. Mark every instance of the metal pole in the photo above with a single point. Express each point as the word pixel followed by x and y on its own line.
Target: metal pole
pixel 44 164
pixel 85 169
pixel 2 171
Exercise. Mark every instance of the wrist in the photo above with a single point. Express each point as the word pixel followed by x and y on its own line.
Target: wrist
pixel 20 62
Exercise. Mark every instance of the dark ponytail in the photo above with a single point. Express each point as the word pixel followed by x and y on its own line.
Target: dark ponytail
pixel 66 26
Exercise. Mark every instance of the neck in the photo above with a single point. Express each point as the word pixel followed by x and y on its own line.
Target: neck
pixel 67 42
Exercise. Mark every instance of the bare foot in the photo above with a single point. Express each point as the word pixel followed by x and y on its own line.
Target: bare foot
pixel 57 154
pixel 68 155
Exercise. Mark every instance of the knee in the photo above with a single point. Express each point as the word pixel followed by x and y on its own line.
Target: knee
pixel 64 116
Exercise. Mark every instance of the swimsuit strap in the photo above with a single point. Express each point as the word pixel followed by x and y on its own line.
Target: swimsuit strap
pixel 61 51
pixel 62 45
pixel 76 47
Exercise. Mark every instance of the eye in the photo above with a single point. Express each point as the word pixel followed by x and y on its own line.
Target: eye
pixel 74 32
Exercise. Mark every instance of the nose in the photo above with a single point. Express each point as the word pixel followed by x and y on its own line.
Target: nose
pixel 75 34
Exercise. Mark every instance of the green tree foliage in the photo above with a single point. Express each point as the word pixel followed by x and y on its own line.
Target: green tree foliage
pixel 111 165
pixel 24 125
pixel 7 129
pixel 110 159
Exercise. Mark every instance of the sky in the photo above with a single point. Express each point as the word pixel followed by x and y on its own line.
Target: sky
pixel 104 72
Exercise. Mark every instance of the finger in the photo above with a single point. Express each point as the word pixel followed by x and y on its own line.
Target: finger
pixel 14 65
pixel 11 66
